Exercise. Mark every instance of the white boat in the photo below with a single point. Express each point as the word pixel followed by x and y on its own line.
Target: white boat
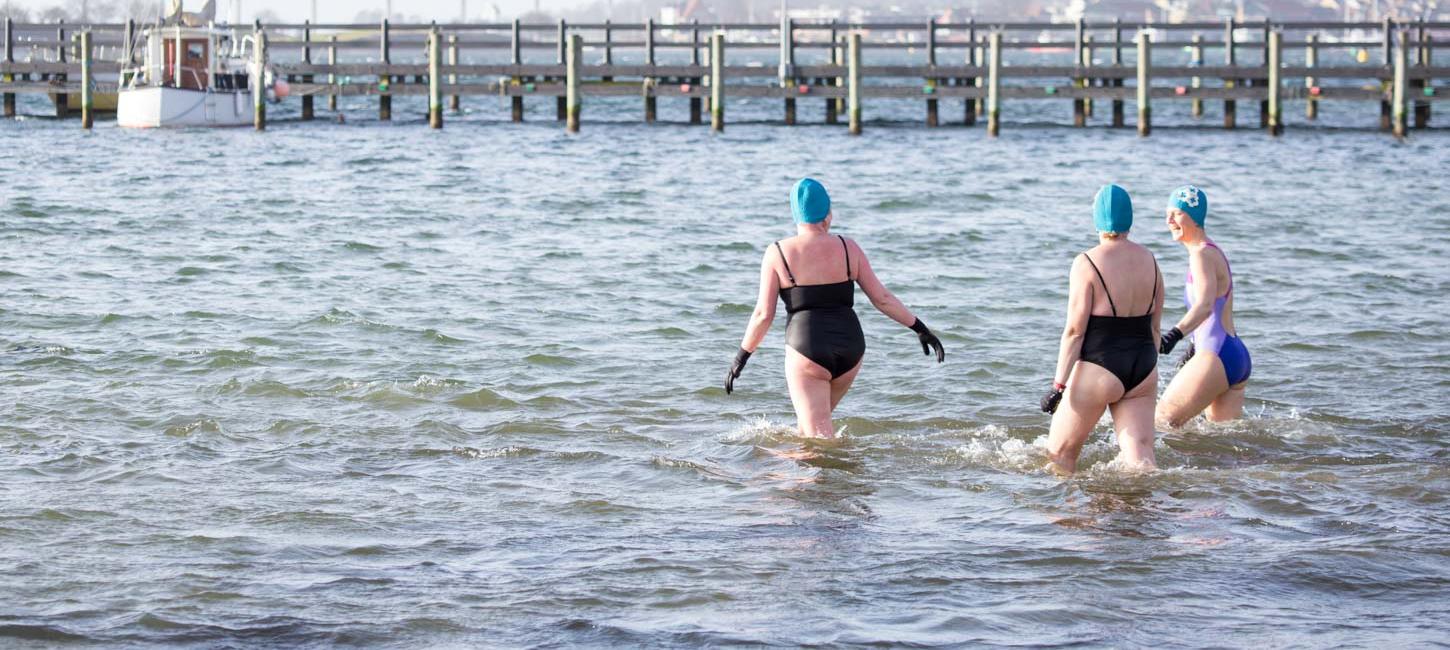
pixel 211 84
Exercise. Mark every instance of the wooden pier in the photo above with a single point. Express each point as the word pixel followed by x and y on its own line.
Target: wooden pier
pixel 1086 64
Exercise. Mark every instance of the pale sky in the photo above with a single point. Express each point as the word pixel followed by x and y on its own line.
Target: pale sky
pixel 344 10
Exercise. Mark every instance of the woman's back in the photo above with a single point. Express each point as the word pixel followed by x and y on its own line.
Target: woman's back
pixel 1131 275
pixel 812 259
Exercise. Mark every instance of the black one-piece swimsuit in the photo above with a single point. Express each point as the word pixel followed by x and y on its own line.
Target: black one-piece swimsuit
pixel 822 325
pixel 1122 345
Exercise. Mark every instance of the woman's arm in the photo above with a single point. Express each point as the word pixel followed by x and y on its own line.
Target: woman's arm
pixel 1079 308
pixel 881 297
pixel 765 301
pixel 1205 289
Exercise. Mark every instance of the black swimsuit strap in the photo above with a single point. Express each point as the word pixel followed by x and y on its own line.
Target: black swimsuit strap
pixel 1154 299
pixel 1105 282
pixel 848 257
pixel 788 274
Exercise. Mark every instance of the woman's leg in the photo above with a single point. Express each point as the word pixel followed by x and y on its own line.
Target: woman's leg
pixel 1133 422
pixel 1197 384
pixel 810 393
pixel 1228 406
pixel 841 384
pixel 1089 390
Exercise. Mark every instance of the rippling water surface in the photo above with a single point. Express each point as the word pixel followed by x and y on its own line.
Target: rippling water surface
pixel 372 384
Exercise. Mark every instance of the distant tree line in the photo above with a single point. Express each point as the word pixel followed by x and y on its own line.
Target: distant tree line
pixel 83 11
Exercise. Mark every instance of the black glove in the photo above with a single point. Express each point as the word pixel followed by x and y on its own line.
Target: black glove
pixel 929 341
pixel 1188 354
pixel 1051 399
pixel 1169 339
pixel 735 367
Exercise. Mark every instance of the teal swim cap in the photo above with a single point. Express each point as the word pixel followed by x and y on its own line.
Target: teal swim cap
pixel 809 202
pixel 1112 209
pixel 1192 201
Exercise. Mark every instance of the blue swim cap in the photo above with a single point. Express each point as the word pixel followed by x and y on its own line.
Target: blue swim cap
pixel 809 202
pixel 1112 209
pixel 1192 201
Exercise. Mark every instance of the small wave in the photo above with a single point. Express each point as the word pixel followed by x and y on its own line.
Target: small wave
pixel 670 332
pixel 439 337
pixel 231 359
pixel 992 446
pixel 204 425
pixel 500 452
pixel 895 205
pixel 42 349
pixel 734 309
pixel 549 360
pixel 109 319
pixel 759 431
pixel 482 399
pixel 264 388
pixel 360 247
pixel 192 271
pixel 428 385
pixel 37 633
pixel 336 316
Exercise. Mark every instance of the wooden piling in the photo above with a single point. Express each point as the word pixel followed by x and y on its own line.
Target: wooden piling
pixel 435 78
pixel 1079 107
pixel 87 83
pixel 647 88
pixel 62 100
pixel 1401 85
pixel 1087 64
pixel 1422 60
pixel 696 114
pixel 1387 85
pixel 1264 108
pixel 573 68
pixel 332 78
pixel 1230 107
pixel 455 101
pixel 932 116
pixel 853 63
pixel 385 82
pixel 516 57
pixel 981 105
pixel 562 103
pixel 786 73
pixel 1145 59
pixel 1118 120
pixel 608 48
pixel 1197 82
pixel 259 79
pixel 307 112
pixel 994 85
pixel 8 56
pixel 838 56
pixel 969 112
pixel 1275 64
pixel 717 81
pixel 1311 61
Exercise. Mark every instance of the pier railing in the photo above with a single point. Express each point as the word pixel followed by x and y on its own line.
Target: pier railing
pixel 844 65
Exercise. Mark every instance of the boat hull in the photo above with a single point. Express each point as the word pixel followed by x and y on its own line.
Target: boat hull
pixel 151 108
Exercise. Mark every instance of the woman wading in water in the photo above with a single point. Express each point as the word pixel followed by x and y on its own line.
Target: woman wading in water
pixel 1108 358
pixel 1213 379
pixel 816 274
